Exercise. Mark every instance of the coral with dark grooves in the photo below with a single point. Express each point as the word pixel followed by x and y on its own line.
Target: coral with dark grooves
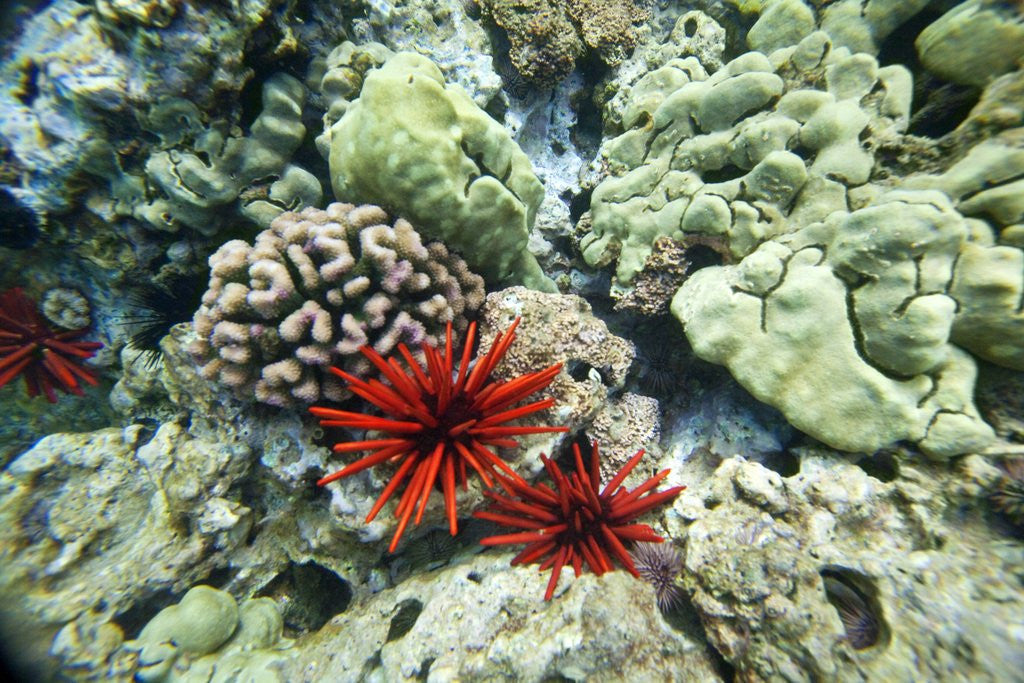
pixel 314 288
pixel 577 521
pixel 548 36
pixel 438 423
pixel 47 359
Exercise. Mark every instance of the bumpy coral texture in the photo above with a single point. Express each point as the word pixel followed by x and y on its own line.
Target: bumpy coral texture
pixel 759 148
pixel 313 289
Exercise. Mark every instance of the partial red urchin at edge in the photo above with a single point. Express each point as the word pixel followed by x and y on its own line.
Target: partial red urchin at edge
pixel 577 521
pixel 48 359
pixel 437 424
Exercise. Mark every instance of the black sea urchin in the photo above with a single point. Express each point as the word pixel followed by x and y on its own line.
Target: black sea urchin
pixel 159 308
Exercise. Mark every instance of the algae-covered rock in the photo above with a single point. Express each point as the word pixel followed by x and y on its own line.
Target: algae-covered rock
pixel 423 150
pixel 547 36
pixel 92 524
pixel 483 620
pixel 834 574
pixel 845 327
pixel 760 148
pixel 557 328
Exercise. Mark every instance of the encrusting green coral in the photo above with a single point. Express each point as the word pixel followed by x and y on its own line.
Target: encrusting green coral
pixel 759 148
pixel 210 637
pixel 201 175
pixel 423 150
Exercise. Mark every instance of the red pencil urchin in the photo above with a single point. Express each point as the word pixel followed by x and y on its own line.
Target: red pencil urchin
pixel 438 422
pixel 48 360
pixel 577 521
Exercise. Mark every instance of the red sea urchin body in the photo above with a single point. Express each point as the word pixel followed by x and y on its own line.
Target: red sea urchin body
pixel 438 422
pixel 47 359
pixel 576 521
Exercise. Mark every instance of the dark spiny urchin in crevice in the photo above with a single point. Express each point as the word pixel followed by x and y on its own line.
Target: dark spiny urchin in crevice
pixel 660 564
pixel 853 597
pixel 404 618
pixel 1008 495
pixel 19 225
pixel 159 307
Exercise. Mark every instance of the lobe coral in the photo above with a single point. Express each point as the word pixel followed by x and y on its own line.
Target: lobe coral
pixel 48 360
pixel 438 423
pixel 577 521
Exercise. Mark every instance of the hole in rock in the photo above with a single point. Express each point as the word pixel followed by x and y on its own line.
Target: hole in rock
pixel 579 204
pixel 404 619
pixel 722 175
pixel 309 595
pixel 881 465
pixel 579 370
pixel 133 619
pixel 855 598
pixel 701 256
pixel 785 463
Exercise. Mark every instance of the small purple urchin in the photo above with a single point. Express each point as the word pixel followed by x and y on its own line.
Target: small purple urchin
pixel 659 564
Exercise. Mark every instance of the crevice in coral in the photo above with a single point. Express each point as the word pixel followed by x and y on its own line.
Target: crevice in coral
pixel 855 598
pixel 309 595
pixel 404 619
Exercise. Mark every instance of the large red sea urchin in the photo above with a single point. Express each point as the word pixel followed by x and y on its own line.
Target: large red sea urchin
pixel 49 360
pixel 438 422
pixel 577 521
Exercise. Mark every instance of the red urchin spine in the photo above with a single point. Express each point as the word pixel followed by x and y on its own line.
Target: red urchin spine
pixel 437 427
pixel 574 523
pixel 48 360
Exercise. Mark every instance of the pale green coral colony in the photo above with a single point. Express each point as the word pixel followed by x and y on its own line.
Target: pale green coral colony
pixel 424 150
pixel 852 322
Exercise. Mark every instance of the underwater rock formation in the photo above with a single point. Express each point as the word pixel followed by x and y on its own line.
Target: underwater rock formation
pixel 314 288
pixel 835 574
pixel 159 510
pixel 200 176
pixel 558 328
pixel 504 629
pixel 547 37
pixel 207 636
